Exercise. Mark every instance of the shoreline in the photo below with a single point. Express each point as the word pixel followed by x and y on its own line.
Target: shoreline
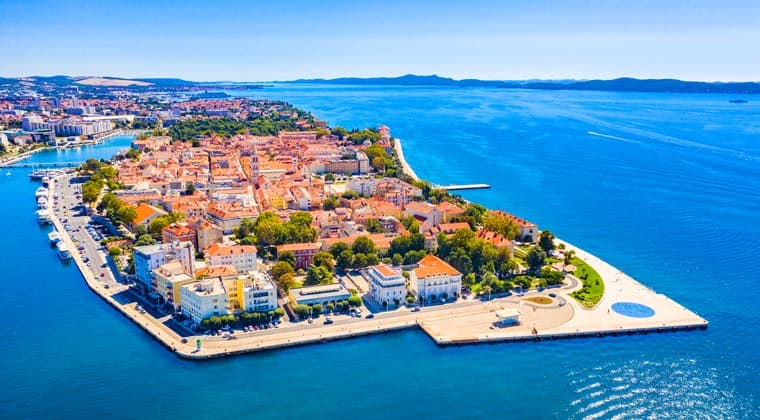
pixel 99 140
pixel 458 323
pixel 397 147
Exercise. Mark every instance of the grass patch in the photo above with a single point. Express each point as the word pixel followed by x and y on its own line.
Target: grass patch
pixel 521 251
pixel 541 300
pixel 593 285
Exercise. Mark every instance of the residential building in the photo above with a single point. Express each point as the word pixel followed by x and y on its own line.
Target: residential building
pixel 304 252
pixel 146 214
pixel 242 257
pixel 435 280
pixel 167 280
pixel 149 257
pixel 386 285
pixel 179 232
pixel 203 299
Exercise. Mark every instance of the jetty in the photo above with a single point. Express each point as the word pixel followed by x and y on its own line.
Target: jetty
pixel 463 187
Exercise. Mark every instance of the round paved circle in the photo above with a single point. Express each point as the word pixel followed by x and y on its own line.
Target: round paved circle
pixel 633 310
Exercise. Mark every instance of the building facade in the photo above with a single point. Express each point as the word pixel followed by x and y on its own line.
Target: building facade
pixel 386 285
pixel 150 257
pixel 435 280
pixel 242 257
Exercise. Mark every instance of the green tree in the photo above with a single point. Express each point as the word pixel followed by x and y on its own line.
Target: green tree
pixel 363 245
pixel 569 255
pixel 330 203
pixel 287 281
pixel 317 275
pixel 373 226
pixel 397 259
pixel 324 259
pixel 338 248
pixel 157 225
pixel 301 310
pixel 316 309
pixel 345 259
pixel 281 267
pixel 145 239
pixel 329 177
pixel 127 214
pixel 355 301
pixel 288 257
pixel 114 251
pixel 500 223
pixel 546 240
pixel 535 258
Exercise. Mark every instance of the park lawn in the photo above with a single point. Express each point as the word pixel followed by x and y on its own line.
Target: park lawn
pixel 593 285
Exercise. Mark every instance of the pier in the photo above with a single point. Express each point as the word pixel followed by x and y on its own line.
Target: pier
pixel 38 165
pixel 464 187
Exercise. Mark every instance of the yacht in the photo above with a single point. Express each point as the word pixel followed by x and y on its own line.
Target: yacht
pixel 43 217
pixel 42 203
pixel 45 181
pixel 54 237
pixel 63 251
pixel 41 192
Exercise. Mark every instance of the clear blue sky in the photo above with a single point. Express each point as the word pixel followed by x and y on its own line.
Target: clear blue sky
pixel 278 40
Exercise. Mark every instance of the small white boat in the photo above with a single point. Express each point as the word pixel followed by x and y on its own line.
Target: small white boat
pixel 8 173
pixel 43 217
pixel 54 237
pixel 63 251
pixel 42 203
pixel 41 192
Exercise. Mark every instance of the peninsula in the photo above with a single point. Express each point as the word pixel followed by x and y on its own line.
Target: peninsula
pixel 239 225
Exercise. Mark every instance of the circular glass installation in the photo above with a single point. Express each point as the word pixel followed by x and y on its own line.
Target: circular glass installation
pixel 632 309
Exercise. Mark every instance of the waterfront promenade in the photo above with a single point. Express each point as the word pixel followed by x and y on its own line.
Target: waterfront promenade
pixel 462 322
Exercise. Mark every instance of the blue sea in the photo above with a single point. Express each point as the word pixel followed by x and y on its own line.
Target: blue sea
pixel 664 186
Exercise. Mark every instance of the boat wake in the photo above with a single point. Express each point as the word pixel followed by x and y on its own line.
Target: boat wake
pixel 609 136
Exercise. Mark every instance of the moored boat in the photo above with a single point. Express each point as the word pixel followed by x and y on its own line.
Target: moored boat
pixel 41 192
pixel 54 237
pixel 43 217
pixel 63 251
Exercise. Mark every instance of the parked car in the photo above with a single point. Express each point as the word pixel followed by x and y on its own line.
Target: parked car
pixel 416 309
pixel 370 316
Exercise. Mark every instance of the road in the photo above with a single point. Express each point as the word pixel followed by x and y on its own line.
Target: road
pixel 69 208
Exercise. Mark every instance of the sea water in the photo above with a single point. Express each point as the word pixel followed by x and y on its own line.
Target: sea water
pixel 664 186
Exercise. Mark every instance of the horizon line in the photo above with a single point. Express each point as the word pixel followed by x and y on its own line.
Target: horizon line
pixel 533 79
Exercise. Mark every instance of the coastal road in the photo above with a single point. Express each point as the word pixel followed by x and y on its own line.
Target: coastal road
pixel 70 209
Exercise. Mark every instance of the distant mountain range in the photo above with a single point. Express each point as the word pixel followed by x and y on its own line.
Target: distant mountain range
pixel 625 84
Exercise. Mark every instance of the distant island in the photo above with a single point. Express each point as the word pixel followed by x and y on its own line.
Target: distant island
pixel 624 84
pixel 87 86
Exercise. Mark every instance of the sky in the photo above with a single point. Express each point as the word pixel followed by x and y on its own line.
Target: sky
pixel 283 40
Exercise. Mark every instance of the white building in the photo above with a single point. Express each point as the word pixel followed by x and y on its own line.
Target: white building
pixel 435 280
pixel 242 257
pixel 150 257
pixel 260 295
pixel 203 299
pixel 386 284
